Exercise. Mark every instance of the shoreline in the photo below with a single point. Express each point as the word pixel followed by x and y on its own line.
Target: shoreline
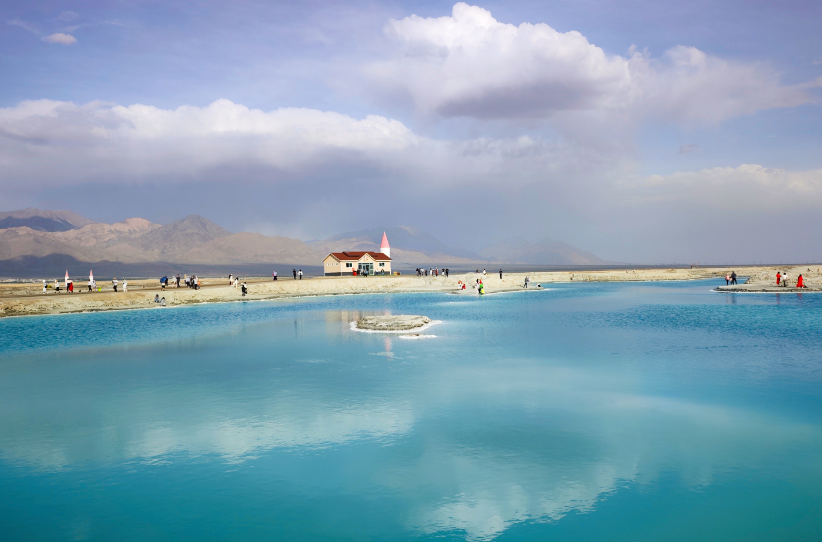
pixel 23 300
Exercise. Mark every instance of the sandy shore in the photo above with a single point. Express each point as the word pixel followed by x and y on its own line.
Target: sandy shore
pixel 28 299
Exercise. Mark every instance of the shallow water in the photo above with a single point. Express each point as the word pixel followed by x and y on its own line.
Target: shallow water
pixel 654 411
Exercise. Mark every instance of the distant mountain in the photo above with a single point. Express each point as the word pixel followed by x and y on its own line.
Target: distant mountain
pixel 174 239
pixel 408 246
pixel 192 240
pixel 244 248
pixel 544 252
pixel 41 220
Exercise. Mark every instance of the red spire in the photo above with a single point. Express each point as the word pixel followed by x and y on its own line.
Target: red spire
pixel 384 243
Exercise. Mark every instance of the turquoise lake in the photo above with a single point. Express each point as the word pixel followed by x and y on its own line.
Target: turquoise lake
pixel 627 412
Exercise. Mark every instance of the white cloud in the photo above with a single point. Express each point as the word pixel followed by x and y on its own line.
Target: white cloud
pixel 62 39
pixel 46 138
pixel 750 187
pixel 28 27
pixel 471 65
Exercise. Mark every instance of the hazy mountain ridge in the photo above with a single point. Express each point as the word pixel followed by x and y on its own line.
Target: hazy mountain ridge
pixel 546 251
pixel 40 220
pixel 408 246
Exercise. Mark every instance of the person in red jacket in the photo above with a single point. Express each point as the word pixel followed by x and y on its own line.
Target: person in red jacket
pixel 778 277
pixel 800 283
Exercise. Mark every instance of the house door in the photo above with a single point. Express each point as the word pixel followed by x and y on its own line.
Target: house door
pixel 365 268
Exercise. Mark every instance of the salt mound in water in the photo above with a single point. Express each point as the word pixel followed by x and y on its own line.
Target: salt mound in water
pixel 400 322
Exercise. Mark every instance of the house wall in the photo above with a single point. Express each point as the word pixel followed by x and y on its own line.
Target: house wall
pixel 378 265
pixel 332 267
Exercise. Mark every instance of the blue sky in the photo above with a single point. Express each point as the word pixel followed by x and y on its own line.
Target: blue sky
pixel 626 128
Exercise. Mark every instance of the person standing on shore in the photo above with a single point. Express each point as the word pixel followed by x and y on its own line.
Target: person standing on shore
pixel 44 285
pixel 727 279
pixel 56 285
pixel 114 282
pixel 785 279
pixel 301 274
pixel 274 275
pixel 229 278
pixel 244 289
pixel 294 272
pixel 778 277
pixel 500 274
pixel 800 282
pixel 125 286
pixel 527 280
pixel 733 277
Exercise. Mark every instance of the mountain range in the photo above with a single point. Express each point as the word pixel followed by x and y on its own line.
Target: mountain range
pixel 31 238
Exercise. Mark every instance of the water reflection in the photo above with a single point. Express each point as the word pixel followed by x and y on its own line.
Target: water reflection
pixel 459 436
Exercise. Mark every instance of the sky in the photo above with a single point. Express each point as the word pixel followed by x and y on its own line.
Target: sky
pixel 642 131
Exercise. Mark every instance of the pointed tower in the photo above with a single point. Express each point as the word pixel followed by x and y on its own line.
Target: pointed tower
pixel 384 246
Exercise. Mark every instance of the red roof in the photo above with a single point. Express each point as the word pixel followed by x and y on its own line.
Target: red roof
pixel 348 256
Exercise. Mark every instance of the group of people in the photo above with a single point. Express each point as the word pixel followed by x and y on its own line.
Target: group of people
pixel 731 278
pixel 782 280
pixel 235 282
pixel 192 282
pixel 433 271
pixel 160 300
pixel 296 274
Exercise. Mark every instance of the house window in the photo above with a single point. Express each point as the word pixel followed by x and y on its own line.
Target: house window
pixel 349 264
pixel 382 264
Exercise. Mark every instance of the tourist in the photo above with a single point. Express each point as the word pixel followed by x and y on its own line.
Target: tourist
pixel 125 286
pixel 527 280
pixel 178 280
pixel 294 272
pixel 733 277
pixel 500 274
pixel 163 282
pixel 114 282
pixel 800 282
pixel 446 272
pixel 156 298
pixel 198 283
pixel 274 275
pixel 163 301
pixel 727 279
pixel 785 279
pixel 483 272
pixel 44 285
pixel 301 274
pixel 778 277
pixel 244 289
pixel 229 278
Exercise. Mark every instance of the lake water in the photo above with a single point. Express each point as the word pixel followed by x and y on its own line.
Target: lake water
pixel 654 411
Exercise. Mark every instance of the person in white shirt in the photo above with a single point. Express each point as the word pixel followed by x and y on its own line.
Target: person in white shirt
pixel 44 286
pixel 114 282
pixel 125 285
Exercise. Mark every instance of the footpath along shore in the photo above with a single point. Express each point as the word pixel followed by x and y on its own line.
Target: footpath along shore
pixel 27 298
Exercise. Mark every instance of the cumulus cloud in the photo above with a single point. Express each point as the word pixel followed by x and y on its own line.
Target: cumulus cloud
pixel 471 65
pixel 62 39
pixel 142 141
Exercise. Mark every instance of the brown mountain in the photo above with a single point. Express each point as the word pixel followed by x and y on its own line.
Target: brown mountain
pixel 192 240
